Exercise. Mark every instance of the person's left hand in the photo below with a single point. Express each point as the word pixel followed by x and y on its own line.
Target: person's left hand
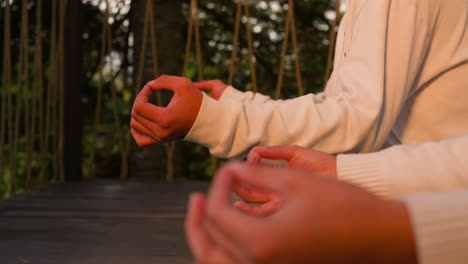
pixel 320 221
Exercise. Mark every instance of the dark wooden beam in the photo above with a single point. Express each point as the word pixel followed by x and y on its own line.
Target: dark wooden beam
pixel 73 50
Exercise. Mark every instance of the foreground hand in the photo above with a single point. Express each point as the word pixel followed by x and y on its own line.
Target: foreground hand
pixel 297 157
pixel 152 124
pixel 320 221
pixel 215 87
pixel 316 162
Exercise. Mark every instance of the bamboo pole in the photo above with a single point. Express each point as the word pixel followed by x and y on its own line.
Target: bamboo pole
pixel 6 88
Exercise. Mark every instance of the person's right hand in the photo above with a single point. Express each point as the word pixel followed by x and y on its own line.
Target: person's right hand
pixel 316 162
pixel 297 157
pixel 152 124
pixel 215 87
pixel 322 220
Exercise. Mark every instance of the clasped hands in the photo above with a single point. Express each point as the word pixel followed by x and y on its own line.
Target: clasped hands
pixel 151 124
pixel 308 216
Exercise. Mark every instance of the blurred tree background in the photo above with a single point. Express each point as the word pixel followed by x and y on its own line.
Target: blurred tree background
pixel 119 71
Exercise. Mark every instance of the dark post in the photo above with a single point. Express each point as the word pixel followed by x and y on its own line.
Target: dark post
pixel 73 87
pixel 150 162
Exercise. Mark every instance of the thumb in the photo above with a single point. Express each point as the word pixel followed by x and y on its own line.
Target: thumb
pixel 274 153
pixel 171 83
pixel 205 85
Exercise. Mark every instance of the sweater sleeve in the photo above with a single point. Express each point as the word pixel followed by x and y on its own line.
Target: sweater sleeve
pixel 440 226
pixel 232 93
pixel 381 54
pixel 432 167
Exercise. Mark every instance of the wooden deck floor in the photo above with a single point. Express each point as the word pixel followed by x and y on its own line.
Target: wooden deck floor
pixel 97 223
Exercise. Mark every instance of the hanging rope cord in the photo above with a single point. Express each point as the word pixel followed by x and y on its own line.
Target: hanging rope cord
pixel 6 102
pixel 36 90
pixel 22 87
pixel 234 54
pixel 333 36
pixel 193 26
pixel 51 98
pixel 289 27
pixel 106 48
pixel 63 9
pixel 100 84
pixel 149 25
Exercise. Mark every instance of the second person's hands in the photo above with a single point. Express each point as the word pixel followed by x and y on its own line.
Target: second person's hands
pixel 151 124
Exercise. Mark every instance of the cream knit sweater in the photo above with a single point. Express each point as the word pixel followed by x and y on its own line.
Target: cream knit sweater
pixel 401 77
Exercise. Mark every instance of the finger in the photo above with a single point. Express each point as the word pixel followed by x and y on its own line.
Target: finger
pixel 144 94
pixel 153 128
pixel 230 248
pixel 206 85
pixel 146 109
pixel 253 158
pixel 150 111
pixel 262 210
pixel 142 139
pixel 197 238
pixel 222 213
pixel 251 195
pixel 266 178
pixel 167 82
pixel 276 153
pixel 141 128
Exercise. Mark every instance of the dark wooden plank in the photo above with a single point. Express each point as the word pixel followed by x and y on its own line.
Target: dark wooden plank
pixel 98 222
pixel 30 259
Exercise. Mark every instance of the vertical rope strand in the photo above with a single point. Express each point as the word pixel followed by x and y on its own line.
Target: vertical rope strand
pixel 50 98
pixel 235 42
pixel 279 83
pixel 39 79
pixel 100 85
pixel 250 46
pixel 333 36
pixel 170 146
pixel 289 27
pixel 300 88
pixel 36 88
pixel 188 44
pixel 6 88
pixel 197 40
pixel 22 76
pixel 63 9
pixel 115 104
pixel 27 93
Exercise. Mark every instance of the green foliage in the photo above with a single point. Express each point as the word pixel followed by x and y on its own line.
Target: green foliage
pixel 217 27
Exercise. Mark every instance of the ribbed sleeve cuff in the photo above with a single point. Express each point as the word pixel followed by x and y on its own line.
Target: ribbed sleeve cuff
pixel 206 115
pixel 440 224
pixel 364 171
pixel 231 93
pixel 211 123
